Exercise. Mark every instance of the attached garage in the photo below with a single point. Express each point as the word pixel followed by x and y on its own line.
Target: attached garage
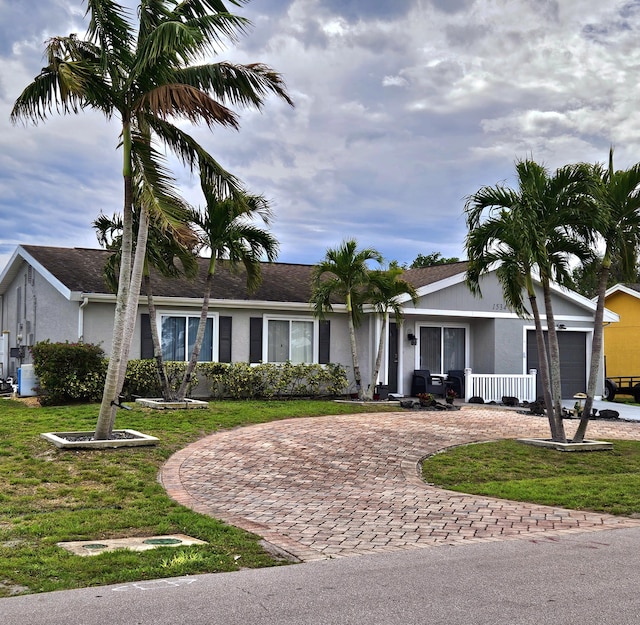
pixel 573 360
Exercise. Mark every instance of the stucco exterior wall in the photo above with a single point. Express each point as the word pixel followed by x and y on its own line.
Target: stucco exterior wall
pixel 35 310
pixel 98 324
pixel 482 345
pixel 457 297
pixel 622 339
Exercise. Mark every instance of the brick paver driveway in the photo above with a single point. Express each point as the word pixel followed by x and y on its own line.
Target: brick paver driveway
pixel 345 485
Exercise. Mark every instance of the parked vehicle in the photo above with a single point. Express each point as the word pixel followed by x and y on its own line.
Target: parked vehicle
pixel 622 385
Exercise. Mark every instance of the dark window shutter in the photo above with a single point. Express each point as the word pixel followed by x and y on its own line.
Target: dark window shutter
pixel 324 337
pixel 255 339
pixel 224 339
pixel 146 340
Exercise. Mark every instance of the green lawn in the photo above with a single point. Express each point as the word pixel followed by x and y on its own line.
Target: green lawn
pixel 48 495
pixel 603 481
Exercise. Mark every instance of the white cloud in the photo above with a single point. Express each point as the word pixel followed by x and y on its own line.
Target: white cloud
pixel 402 109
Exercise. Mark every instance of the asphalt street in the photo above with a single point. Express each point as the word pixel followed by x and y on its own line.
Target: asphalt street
pixel 578 578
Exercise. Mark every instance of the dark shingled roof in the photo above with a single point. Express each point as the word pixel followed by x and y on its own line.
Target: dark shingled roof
pixel 429 275
pixel 80 269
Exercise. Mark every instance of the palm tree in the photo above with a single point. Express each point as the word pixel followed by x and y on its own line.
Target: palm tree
pixel 497 243
pixel 343 273
pixel 232 239
pixel 171 252
pixel 616 222
pixel 385 289
pixel 533 228
pixel 147 80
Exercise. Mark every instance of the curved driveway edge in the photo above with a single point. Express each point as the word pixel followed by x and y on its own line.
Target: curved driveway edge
pixel 346 485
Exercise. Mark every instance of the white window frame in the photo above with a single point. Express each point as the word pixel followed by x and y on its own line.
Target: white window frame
pixel 442 325
pixel 290 318
pixel 187 315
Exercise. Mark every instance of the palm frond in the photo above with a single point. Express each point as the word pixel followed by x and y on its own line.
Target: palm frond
pixel 243 85
pixel 110 26
pixel 186 102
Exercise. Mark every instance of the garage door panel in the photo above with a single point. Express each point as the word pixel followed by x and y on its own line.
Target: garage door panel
pixel 573 360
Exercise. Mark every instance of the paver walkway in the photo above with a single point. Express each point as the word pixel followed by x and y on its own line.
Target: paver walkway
pixel 346 485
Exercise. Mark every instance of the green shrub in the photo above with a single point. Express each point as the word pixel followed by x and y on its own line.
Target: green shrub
pixel 69 372
pixel 268 380
pixel 141 378
pixel 75 372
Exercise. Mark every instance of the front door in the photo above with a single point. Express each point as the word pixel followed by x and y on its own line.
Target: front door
pixel 392 364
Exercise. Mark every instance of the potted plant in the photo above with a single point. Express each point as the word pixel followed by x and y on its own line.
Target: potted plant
pixel 450 396
pixel 426 399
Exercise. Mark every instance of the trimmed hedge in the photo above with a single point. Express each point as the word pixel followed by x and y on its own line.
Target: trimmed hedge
pixel 267 380
pixel 75 372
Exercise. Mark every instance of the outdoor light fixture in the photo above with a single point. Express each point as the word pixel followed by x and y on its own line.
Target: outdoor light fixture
pixel 561 326
pixel 412 338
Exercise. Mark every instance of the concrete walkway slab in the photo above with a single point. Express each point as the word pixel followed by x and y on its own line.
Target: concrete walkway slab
pixel 339 486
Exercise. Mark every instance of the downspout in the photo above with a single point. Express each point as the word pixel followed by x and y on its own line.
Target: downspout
pixel 83 303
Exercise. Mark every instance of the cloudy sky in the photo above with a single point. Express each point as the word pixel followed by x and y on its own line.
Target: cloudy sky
pixel 403 108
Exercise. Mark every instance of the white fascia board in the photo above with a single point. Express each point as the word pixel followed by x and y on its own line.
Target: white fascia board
pixel 13 266
pixel 483 314
pixel 194 302
pixel 434 287
pixel 576 298
pixel 479 314
pixel 620 288
pixel 610 316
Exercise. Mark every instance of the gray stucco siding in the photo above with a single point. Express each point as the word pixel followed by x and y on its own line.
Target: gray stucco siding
pixel 37 311
pixel 98 326
pixel 457 297
pixel 482 339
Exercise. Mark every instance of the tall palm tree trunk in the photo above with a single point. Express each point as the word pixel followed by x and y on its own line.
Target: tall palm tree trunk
pixel 597 344
pixel 543 364
pixel 554 363
pixel 161 372
pixel 368 393
pixel 131 315
pixel 354 349
pixel 106 415
pixel 202 325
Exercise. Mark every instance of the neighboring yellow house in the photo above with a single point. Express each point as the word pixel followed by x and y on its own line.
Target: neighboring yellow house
pixel 622 339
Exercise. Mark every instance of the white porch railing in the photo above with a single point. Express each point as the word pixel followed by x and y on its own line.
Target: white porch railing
pixel 495 386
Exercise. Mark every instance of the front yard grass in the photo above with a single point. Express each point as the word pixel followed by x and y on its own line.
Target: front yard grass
pixel 602 481
pixel 48 495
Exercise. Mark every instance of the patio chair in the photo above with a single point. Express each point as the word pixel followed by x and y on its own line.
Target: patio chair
pixel 423 382
pixel 455 380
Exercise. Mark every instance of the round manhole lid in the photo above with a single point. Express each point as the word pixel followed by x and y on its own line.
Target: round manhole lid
pixel 95 546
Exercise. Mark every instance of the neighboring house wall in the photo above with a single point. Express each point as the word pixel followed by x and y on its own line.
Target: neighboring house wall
pixel 621 339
